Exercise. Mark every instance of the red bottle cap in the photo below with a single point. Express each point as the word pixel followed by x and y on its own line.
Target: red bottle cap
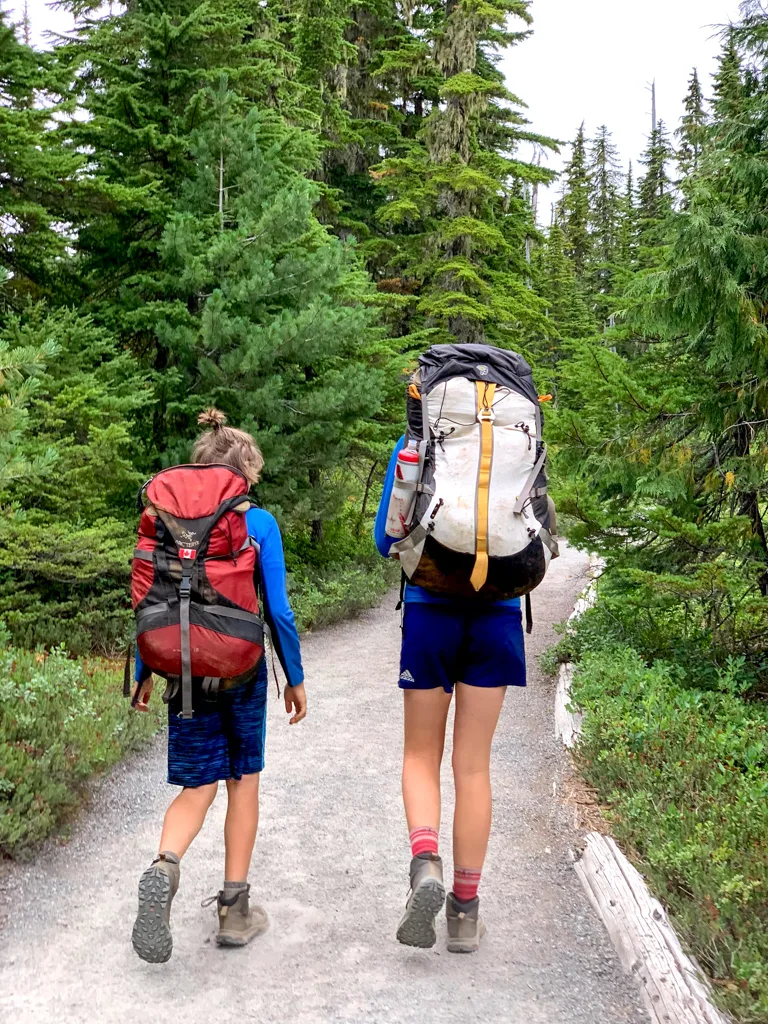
pixel 408 455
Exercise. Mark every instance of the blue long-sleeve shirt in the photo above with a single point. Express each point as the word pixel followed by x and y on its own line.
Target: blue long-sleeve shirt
pixel 262 526
pixel 384 543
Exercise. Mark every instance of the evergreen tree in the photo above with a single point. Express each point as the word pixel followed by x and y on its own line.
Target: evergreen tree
pixel 20 367
pixel 33 172
pixel 729 80
pixel 455 217
pixel 140 75
pixel 627 249
pixel 693 129
pixel 262 311
pixel 605 217
pixel 655 197
pixel 574 207
pixel 559 287
pixel 69 503
pixel 664 441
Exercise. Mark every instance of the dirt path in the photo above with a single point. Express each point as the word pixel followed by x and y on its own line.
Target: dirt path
pixel 331 867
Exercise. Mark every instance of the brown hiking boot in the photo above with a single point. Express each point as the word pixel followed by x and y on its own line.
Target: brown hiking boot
pixel 417 928
pixel 465 926
pixel 158 885
pixel 238 921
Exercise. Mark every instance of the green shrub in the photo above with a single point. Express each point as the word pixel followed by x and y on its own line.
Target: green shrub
pixel 322 598
pixel 339 576
pixel 61 721
pixel 683 772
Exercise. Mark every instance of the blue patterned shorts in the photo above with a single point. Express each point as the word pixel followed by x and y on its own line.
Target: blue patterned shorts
pixel 225 739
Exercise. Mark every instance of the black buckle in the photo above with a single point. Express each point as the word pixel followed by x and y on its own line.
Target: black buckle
pixel 185 587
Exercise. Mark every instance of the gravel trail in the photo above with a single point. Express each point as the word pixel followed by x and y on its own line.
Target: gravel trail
pixel 330 866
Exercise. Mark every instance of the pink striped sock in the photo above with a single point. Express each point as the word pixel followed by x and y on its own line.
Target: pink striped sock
pixel 423 840
pixel 466 882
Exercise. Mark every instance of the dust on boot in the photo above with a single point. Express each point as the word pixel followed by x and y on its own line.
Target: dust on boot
pixel 239 922
pixel 465 926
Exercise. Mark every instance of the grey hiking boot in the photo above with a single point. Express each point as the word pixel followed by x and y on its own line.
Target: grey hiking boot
pixel 158 885
pixel 465 926
pixel 417 927
pixel 239 922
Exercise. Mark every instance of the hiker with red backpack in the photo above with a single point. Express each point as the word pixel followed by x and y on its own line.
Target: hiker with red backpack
pixel 465 510
pixel 205 554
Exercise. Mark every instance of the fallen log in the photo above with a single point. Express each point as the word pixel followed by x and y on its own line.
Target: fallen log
pixel 673 989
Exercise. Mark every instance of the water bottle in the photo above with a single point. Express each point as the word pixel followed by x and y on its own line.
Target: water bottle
pixel 407 472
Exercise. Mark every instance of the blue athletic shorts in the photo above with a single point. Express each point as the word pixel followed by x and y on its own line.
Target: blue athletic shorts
pixel 480 645
pixel 225 739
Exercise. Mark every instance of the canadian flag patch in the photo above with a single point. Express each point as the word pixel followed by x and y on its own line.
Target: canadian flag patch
pixel 187 552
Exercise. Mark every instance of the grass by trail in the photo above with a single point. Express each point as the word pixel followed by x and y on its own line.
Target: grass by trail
pixel 61 722
pixel 682 773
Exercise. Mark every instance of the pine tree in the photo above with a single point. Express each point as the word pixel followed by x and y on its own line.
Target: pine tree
pixel 263 311
pixel 33 172
pixel 140 74
pixel 574 207
pixel 559 287
pixel 627 249
pixel 693 129
pixel 729 80
pixel 655 197
pixel 663 441
pixel 605 217
pixel 454 215
pixel 68 499
pixel 20 368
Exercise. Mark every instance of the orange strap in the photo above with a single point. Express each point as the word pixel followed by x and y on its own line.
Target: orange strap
pixel 485 393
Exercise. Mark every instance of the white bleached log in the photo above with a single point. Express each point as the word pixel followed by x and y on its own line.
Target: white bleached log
pixel 567 722
pixel 673 989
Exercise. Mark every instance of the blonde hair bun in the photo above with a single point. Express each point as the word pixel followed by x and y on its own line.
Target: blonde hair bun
pixel 213 418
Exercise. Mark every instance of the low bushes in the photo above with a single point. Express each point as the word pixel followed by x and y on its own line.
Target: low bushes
pixel 61 721
pixel 682 771
pixel 322 598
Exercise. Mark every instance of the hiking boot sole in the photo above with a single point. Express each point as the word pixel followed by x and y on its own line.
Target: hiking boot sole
pixel 466 945
pixel 417 927
pixel 151 936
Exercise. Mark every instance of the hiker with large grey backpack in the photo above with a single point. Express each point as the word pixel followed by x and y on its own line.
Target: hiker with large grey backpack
pixel 466 512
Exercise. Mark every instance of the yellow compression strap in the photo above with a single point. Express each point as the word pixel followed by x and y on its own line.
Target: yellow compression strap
pixel 485 393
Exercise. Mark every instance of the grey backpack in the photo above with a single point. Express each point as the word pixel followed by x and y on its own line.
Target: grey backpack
pixel 480 521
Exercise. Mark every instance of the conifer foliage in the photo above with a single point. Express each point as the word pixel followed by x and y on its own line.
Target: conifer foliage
pixel 693 129
pixel 263 311
pixel 32 173
pixel 453 214
pixel 664 419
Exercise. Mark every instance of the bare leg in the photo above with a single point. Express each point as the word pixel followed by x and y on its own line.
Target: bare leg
pixel 240 826
pixel 185 817
pixel 426 712
pixel 477 714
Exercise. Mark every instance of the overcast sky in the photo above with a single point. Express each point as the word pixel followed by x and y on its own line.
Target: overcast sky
pixel 588 60
pixel 592 61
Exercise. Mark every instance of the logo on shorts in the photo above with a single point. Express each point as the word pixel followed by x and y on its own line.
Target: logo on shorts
pixel 406 677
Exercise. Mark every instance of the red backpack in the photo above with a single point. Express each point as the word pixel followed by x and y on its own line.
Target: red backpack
pixel 194 581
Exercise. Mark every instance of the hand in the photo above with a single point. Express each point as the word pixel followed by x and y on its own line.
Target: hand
pixel 141 694
pixel 296 700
